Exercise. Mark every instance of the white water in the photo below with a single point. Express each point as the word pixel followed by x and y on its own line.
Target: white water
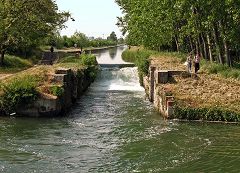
pixel 124 79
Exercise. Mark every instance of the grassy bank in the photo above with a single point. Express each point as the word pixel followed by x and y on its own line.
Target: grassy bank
pixel 139 55
pixel 25 87
pixel 13 64
pixel 214 95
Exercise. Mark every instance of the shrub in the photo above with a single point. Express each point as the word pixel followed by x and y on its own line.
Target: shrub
pixel 207 114
pixel 88 60
pixel 18 92
pixel 56 90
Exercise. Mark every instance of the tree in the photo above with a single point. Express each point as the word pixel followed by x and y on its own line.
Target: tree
pixel 209 27
pixel 27 22
pixel 113 37
pixel 80 39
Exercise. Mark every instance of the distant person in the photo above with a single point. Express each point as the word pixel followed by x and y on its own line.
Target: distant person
pixel 75 45
pixel 51 56
pixel 189 62
pixel 52 49
pixel 197 62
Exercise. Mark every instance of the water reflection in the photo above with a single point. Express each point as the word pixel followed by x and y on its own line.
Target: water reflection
pixel 111 56
pixel 113 52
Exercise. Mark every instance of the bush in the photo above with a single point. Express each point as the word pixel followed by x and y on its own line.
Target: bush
pixel 88 60
pixel 207 114
pixel 18 92
pixel 56 90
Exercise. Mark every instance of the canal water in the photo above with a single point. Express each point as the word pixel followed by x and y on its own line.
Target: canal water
pixel 113 128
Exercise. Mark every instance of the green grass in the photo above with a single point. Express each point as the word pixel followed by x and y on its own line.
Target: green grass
pixel 14 64
pixel 206 114
pixel 85 61
pixel 223 70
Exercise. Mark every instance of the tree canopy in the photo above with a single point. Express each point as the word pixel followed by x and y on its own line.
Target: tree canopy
pixel 209 27
pixel 25 23
pixel 113 37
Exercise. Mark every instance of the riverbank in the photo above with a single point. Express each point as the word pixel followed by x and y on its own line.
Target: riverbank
pixel 47 90
pixel 181 95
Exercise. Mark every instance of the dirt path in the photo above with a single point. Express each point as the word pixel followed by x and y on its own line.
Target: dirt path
pixel 3 76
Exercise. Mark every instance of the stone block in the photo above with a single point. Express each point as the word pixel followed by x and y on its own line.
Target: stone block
pixel 60 78
pixel 169 99
pixel 161 76
pixel 179 73
pixel 152 83
pixel 63 71
pixel 170 109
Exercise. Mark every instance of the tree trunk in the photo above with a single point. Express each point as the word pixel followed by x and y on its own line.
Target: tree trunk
pixel 200 46
pixel 223 28
pixel 227 56
pixel 2 57
pixel 218 47
pixel 204 47
pixel 209 48
pixel 196 47
pixel 191 44
pixel 176 42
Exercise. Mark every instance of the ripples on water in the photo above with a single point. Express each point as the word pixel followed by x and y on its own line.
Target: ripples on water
pixel 112 128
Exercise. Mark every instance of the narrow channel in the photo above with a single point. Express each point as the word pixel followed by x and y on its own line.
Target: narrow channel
pixel 113 128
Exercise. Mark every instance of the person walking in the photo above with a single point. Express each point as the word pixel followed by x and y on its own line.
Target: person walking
pixel 197 62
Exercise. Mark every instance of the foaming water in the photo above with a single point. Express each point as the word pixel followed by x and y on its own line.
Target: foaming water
pixel 124 79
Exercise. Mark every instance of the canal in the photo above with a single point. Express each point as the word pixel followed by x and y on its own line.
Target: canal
pixel 113 128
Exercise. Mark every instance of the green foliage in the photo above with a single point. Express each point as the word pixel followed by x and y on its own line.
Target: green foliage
pixel 19 91
pixel 91 73
pixel 223 70
pixel 80 39
pixel 113 37
pixel 56 90
pixel 206 114
pixel 88 60
pixel 26 23
pixel 207 27
pixel 85 60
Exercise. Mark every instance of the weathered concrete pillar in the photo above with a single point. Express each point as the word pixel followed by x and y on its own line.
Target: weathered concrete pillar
pixel 169 98
pixel 170 109
pixel 152 83
pixel 161 76
pixel 59 78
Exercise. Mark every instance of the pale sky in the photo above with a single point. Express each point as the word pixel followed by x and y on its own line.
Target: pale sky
pixel 96 18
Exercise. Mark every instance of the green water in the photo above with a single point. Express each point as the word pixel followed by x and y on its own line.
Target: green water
pixel 113 128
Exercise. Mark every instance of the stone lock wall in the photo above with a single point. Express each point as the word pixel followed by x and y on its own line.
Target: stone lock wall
pixel 154 87
pixel 74 84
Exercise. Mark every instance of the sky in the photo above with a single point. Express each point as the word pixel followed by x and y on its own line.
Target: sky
pixel 95 18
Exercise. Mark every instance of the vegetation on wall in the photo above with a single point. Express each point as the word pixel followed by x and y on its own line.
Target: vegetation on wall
pixel 20 91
